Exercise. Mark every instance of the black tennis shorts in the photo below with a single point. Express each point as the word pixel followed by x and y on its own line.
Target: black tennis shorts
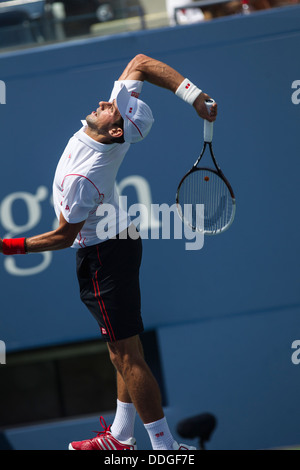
pixel 108 275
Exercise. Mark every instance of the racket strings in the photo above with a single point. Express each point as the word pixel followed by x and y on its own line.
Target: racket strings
pixel 204 187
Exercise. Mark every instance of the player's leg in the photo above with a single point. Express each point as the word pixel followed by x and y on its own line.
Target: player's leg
pixel 143 389
pixel 122 427
pixel 122 391
pixel 138 379
pixel 123 394
pixel 124 421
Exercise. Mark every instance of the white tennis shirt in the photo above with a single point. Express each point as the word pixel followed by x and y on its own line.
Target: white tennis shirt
pixel 85 179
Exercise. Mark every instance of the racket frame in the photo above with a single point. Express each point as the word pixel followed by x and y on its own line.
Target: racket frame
pixel 219 173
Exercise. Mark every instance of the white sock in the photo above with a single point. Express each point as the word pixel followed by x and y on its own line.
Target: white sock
pixel 160 435
pixel 123 425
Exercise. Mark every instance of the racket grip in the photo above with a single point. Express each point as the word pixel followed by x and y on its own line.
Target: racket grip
pixel 208 126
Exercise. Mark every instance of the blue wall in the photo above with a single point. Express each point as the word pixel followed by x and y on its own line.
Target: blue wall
pixel 226 314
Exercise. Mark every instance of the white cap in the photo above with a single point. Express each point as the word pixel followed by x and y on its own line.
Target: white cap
pixel 137 116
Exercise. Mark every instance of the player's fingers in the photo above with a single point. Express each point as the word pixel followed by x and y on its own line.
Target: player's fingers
pixel 213 112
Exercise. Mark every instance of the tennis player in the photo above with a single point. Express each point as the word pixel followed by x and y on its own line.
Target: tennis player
pixel 108 269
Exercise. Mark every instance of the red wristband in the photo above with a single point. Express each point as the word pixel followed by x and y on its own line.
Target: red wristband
pixel 14 246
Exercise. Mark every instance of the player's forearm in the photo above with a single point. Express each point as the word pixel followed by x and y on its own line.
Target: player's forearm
pixel 62 237
pixel 50 241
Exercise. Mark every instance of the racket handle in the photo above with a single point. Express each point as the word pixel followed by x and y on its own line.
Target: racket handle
pixel 208 126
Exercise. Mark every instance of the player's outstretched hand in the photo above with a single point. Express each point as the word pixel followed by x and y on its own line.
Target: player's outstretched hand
pixel 201 108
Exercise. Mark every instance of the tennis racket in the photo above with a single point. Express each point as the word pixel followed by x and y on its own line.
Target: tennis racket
pixel 208 187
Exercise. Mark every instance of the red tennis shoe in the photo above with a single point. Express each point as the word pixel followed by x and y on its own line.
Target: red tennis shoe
pixel 104 441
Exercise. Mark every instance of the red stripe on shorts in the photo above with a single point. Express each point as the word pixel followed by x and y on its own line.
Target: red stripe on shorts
pixel 103 309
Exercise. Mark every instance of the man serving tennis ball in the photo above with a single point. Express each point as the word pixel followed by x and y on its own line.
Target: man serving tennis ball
pixel 108 270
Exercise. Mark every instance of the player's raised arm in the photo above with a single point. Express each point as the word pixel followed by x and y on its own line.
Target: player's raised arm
pixel 62 237
pixel 145 68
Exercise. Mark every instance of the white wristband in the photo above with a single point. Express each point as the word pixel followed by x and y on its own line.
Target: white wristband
pixel 188 92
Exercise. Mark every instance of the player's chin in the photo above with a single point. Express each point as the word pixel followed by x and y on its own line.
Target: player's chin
pixel 90 120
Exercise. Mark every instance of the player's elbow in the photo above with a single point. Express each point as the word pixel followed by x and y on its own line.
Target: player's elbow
pixel 61 243
pixel 66 233
pixel 140 58
pixel 68 242
pixel 139 62
pixel 64 239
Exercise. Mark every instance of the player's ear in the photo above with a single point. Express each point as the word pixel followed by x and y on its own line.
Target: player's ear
pixel 116 132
